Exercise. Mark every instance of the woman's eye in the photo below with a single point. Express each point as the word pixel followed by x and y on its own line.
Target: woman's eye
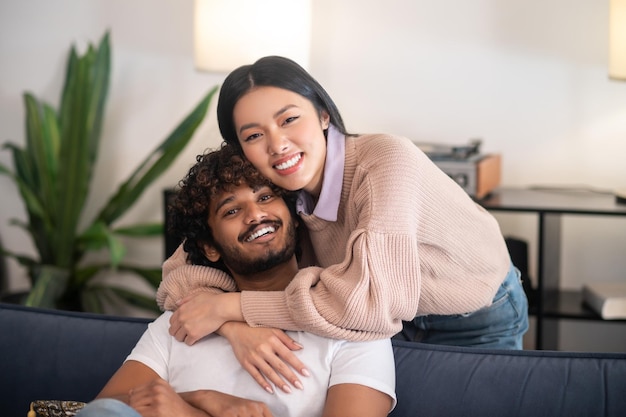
pixel 290 119
pixel 252 137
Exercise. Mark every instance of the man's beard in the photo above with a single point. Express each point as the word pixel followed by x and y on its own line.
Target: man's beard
pixel 240 264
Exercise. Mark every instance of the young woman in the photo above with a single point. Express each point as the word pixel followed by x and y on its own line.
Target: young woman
pixel 394 238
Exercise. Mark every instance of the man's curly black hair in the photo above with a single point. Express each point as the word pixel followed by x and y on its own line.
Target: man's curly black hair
pixel 214 172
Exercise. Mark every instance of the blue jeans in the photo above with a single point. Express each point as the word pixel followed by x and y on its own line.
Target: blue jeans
pixel 107 407
pixel 500 326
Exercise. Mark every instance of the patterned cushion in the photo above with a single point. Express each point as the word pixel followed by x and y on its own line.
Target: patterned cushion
pixel 54 408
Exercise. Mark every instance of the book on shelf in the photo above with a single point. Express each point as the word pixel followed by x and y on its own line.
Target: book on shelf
pixel 608 299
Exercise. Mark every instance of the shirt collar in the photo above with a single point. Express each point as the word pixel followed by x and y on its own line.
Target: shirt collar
pixel 328 203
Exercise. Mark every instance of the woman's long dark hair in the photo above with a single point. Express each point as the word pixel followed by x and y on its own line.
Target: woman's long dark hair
pixel 271 71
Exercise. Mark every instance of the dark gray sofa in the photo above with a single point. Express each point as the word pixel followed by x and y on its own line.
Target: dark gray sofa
pixel 57 355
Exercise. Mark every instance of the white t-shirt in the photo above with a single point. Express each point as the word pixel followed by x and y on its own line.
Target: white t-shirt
pixel 211 364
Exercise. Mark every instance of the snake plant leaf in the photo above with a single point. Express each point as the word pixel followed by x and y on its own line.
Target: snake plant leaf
pixel 49 285
pixel 140 230
pixel 98 236
pixel 117 250
pixel 95 237
pixel 82 108
pixel 156 163
pixel 21 162
pixel 37 166
pixel 32 203
pixel 42 144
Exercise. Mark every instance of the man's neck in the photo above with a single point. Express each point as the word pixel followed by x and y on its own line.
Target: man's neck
pixel 274 279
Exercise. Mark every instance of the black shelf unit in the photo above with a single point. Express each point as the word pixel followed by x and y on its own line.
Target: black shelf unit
pixel 550 302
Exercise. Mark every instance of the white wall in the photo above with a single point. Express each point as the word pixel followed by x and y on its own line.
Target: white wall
pixel 527 76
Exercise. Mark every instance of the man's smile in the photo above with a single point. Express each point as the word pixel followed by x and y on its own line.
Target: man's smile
pixel 259 231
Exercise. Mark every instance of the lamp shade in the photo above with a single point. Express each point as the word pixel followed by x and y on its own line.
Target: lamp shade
pixel 617 40
pixel 231 33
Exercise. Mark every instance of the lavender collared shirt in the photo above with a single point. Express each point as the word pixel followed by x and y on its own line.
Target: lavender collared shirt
pixel 328 202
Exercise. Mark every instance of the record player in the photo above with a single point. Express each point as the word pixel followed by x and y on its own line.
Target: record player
pixel 478 174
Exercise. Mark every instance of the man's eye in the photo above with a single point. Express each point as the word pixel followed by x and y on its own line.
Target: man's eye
pixel 230 212
pixel 266 197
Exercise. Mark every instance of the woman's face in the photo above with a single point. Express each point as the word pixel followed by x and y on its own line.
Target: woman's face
pixel 282 135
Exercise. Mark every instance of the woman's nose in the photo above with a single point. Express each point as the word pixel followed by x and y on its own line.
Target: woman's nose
pixel 277 144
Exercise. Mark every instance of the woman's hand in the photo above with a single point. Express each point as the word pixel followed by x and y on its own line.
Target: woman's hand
pixel 266 354
pixel 202 313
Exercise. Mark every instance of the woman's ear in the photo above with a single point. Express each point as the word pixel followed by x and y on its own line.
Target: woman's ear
pixel 325 119
pixel 211 253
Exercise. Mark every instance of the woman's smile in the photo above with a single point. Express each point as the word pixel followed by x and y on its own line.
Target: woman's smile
pixel 286 166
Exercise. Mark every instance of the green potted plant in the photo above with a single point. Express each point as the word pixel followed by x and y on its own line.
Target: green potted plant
pixel 53 173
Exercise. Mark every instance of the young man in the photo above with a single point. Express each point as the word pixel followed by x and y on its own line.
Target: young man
pixel 234 219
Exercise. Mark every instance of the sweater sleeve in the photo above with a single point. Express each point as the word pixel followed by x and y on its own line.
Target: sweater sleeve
pixel 181 278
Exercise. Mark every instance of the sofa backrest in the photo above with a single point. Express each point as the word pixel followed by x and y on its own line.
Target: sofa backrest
pixel 59 355
pixel 454 381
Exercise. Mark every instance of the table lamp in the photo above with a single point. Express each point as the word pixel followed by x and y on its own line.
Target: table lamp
pixel 231 33
pixel 617 40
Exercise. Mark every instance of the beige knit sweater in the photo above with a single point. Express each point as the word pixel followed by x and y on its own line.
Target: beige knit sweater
pixel 408 241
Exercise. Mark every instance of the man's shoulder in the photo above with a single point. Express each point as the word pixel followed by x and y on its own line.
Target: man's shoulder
pixel 161 322
pixel 336 344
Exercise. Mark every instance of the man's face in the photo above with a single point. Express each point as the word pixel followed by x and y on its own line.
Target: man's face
pixel 253 230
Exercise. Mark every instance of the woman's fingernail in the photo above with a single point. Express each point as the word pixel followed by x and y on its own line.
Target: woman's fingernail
pixel 298 344
pixel 305 372
pixel 298 385
pixel 287 389
pixel 269 389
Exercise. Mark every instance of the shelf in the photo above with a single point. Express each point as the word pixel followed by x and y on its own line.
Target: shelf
pixel 570 305
pixel 553 201
pixel 547 300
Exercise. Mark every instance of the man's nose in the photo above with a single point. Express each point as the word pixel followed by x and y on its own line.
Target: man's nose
pixel 255 213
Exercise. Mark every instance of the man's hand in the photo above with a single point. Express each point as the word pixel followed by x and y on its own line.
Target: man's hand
pixel 158 399
pixel 202 313
pixel 266 354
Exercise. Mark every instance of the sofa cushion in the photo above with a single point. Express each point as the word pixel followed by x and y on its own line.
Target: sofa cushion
pixel 453 381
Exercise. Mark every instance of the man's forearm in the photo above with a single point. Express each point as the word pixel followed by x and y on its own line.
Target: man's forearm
pixel 216 403
pixel 200 399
